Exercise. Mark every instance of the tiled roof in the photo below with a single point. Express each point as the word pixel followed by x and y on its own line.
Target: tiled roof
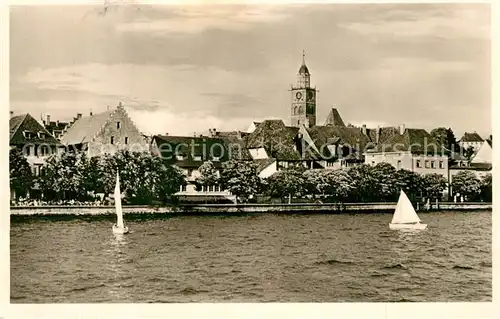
pixel 26 123
pixel 474 167
pixel 334 118
pixel 207 148
pixel 278 140
pixel 56 126
pixel 84 129
pixel 384 133
pixel 235 142
pixel 418 141
pixel 263 163
pixel 471 137
pixel 338 135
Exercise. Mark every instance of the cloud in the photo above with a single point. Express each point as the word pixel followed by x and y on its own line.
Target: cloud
pixel 455 21
pixel 196 19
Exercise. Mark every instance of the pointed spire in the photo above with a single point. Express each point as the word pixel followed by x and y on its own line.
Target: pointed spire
pixel 303 57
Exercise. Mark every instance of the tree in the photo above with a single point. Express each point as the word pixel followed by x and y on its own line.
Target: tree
pixel 486 188
pixel 209 176
pixel 364 183
pixel 445 137
pixel 433 185
pixel 289 182
pixel 384 177
pixel 340 184
pixel 240 178
pixel 410 182
pixel 144 178
pixel 21 176
pixel 466 183
pixel 62 178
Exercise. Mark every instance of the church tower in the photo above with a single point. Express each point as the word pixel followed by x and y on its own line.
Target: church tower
pixel 303 108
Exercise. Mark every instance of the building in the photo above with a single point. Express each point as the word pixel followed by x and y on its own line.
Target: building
pixel 31 137
pixel 411 149
pixel 58 128
pixel 473 140
pixel 104 133
pixel 303 108
pixel 189 153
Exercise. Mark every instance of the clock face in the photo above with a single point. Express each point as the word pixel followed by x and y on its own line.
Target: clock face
pixel 310 95
pixel 298 95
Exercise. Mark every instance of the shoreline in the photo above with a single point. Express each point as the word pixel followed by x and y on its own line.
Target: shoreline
pixel 231 209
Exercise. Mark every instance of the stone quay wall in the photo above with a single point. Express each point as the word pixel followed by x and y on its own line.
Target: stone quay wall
pixel 207 209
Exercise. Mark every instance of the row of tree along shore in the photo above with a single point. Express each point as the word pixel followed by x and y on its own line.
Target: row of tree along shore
pixel 70 178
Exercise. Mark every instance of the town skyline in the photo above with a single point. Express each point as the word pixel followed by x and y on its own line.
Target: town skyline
pixel 421 67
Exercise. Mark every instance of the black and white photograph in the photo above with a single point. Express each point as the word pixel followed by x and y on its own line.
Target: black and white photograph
pixel 250 153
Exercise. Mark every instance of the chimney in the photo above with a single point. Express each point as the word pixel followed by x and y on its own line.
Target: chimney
pixel 401 129
pixel 78 116
pixel 48 119
pixel 377 134
pixel 363 129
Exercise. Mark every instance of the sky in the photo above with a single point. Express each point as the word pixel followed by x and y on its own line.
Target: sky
pixel 184 69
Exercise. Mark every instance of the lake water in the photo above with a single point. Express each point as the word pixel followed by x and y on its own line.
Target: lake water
pixel 253 258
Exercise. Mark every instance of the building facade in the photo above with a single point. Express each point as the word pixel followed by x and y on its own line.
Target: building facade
pixel 34 141
pixel 303 107
pixel 104 133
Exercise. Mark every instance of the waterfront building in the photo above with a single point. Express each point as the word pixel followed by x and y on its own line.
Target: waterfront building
pixel 188 154
pixel 473 140
pixel 31 137
pixel 411 149
pixel 104 133
pixel 57 128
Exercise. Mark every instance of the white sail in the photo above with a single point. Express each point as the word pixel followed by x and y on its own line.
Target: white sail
pixel 405 213
pixel 118 203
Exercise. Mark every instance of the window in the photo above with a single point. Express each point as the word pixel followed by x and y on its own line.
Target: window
pixel 183 188
pixel 373 162
pixel 418 164
pixel 441 164
pixel 41 135
pixel 112 140
pixel 433 164
pixel 210 188
pixel 399 165
pixel 427 164
pixel 27 150
pixel 216 188
pixel 118 125
pixel 126 140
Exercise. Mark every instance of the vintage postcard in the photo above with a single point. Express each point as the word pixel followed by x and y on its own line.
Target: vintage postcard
pixel 321 154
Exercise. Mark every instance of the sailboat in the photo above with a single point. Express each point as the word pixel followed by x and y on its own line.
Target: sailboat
pixel 119 227
pixel 405 216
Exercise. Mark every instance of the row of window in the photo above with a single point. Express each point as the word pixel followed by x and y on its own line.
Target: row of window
pixel 430 164
pixel 31 150
pixel 29 135
pixel 195 158
pixel 213 188
pixel 112 139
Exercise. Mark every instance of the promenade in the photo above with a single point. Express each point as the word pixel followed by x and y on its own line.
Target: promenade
pixel 207 209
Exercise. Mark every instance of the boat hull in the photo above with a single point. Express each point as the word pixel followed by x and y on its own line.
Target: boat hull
pixel 120 230
pixel 416 226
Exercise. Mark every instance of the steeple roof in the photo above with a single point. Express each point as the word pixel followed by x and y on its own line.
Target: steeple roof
pixel 334 118
pixel 303 68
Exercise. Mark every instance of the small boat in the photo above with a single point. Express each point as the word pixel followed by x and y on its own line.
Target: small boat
pixel 405 216
pixel 119 227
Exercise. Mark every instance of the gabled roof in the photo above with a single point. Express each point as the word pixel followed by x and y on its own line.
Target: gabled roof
pixel 417 141
pixel 278 140
pixel 352 137
pixel 235 142
pixel 471 137
pixel 84 129
pixel 384 133
pixel 207 148
pixel 334 118
pixel 26 123
pixel 56 126
pixel 263 163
